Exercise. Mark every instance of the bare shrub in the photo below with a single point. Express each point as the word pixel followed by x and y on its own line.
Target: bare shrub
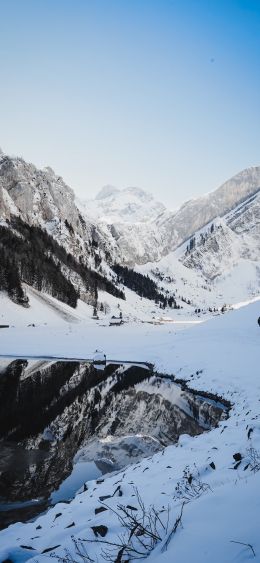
pixel 254 460
pixel 142 530
pixel 80 554
pixel 190 486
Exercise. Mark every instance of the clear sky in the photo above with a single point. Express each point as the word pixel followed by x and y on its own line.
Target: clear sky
pixel 160 94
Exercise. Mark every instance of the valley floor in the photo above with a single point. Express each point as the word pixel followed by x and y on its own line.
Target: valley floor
pixel 221 510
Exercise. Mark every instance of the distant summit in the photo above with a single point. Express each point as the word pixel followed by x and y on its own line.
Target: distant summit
pixel 107 191
pixel 129 205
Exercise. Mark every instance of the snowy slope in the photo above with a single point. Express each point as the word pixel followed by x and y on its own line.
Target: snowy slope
pixel 44 310
pixel 222 501
pixel 224 265
pixel 237 236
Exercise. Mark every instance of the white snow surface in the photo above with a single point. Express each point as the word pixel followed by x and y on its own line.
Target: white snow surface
pixel 221 356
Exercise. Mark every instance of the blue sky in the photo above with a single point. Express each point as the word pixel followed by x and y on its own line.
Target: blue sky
pixel 161 94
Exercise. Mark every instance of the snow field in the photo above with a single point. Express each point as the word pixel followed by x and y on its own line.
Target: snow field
pixel 221 356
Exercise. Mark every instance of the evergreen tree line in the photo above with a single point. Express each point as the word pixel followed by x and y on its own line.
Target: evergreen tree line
pixel 142 285
pixel 30 258
pixel 25 260
pixel 10 279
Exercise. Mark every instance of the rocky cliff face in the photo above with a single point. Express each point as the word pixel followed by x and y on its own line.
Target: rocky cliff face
pixel 235 238
pixel 42 198
pixel 196 213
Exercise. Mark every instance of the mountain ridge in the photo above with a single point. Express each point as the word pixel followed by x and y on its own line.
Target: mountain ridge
pixel 158 234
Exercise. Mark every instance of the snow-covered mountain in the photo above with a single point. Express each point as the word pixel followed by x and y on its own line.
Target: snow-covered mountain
pixel 235 237
pixel 131 228
pixel 129 224
pixel 129 205
pixel 145 231
pixel 128 219
pixel 196 213
pixel 39 220
pixel 219 263
pixel 42 198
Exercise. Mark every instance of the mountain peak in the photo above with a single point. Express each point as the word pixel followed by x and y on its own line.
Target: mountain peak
pixel 128 205
pixel 106 191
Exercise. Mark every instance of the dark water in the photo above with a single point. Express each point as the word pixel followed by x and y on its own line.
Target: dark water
pixel 48 409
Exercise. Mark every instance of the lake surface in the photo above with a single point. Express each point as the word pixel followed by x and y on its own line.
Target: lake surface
pixel 51 410
pixel 82 472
